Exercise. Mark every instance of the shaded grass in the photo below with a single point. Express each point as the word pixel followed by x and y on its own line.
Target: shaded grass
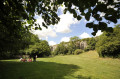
pixel 84 66
pixel 35 70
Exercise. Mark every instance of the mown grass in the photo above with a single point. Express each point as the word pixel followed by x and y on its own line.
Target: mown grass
pixel 84 66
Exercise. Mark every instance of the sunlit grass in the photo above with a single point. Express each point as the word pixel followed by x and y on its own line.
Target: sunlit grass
pixel 84 66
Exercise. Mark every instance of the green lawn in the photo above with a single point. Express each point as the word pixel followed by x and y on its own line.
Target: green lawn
pixel 84 66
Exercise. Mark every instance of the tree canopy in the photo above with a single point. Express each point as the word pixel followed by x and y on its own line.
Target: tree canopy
pixel 15 13
pixel 40 48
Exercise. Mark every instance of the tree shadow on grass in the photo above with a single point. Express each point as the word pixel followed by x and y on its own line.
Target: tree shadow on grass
pixel 82 77
pixel 36 70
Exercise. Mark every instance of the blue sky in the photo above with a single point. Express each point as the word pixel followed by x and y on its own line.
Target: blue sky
pixel 66 28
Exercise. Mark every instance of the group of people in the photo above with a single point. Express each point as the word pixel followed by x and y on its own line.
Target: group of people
pixel 29 59
pixel 26 60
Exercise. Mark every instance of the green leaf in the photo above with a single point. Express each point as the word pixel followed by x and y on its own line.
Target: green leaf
pixel 40 27
pixel 111 18
pixel 35 24
pixel 79 17
pixel 90 25
pixel 44 25
pixel 65 10
pixel 87 16
pixel 97 17
pixel 36 28
pixel 109 29
pixel 102 26
pixel 75 15
pixel 94 33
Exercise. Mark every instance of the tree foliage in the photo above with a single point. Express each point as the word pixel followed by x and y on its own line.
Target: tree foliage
pixel 61 49
pixel 15 14
pixel 73 44
pixel 91 42
pixel 78 51
pixel 68 47
pixel 109 43
pixel 11 45
pixel 40 48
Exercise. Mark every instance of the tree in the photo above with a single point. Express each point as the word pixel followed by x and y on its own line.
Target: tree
pixel 44 48
pixel 40 48
pixel 15 14
pixel 74 39
pixel 109 43
pixel 10 46
pixel 91 43
pixel 61 49
pixel 73 44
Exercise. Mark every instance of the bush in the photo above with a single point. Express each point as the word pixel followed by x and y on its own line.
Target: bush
pixel 53 53
pixel 110 49
pixel 69 53
pixel 77 51
pixel 86 49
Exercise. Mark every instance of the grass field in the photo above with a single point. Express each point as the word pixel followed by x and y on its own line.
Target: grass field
pixel 84 66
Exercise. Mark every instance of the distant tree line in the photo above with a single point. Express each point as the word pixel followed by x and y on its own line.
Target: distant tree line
pixel 74 47
pixel 107 44
pixel 67 48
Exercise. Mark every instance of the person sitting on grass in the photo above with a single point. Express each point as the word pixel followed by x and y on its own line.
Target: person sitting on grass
pixel 23 60
pixel 30 60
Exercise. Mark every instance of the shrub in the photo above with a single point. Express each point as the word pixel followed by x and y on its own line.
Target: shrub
pixel 87 49
pixel 53 53
pixel 69 53
pixel 110 49
pixel 78 51
pixel 61 49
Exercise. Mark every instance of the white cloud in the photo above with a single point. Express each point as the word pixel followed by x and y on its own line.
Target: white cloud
pixel 46 38
pixel 52 43
pixel 102 1
pixel 99 33
pixel 102 14
pixel 84 35
pixel 116 1
pixel 65 22
pixel 62 27
pixel 44 33
pixel 110 6
pixel 65 39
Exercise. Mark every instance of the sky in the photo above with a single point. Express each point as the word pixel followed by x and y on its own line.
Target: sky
pixel 67 27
